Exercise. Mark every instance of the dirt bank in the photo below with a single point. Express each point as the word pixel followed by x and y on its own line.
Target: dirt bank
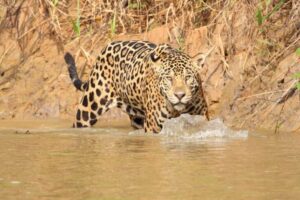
pixel 249 77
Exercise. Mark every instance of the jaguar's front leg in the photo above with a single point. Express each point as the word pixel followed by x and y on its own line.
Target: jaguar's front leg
pixel 151 125
pixel 154 121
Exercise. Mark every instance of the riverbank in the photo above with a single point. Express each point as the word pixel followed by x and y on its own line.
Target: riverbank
pixel 249 77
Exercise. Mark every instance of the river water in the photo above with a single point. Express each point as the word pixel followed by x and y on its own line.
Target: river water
pixel 191 159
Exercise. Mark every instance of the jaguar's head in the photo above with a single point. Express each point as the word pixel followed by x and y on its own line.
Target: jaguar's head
pixel 178 76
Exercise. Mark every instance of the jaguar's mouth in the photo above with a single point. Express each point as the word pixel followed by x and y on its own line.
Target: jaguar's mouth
pixel 179 106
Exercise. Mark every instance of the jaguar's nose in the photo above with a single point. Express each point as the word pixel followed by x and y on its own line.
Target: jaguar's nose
pixel 179 95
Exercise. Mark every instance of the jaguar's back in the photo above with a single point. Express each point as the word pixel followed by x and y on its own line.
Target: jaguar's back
pixel 121 64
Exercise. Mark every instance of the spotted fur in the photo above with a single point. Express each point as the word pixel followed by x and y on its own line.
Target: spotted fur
pixel 150 83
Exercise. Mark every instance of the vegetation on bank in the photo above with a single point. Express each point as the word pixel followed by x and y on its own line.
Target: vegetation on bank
pixel 264 32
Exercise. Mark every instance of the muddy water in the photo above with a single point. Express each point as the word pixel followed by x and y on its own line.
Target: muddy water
pixel 184 162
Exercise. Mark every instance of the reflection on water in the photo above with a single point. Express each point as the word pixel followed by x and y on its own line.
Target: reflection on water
pixel 185 162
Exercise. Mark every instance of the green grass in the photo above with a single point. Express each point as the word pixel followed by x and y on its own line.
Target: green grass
pixel 76 23
pixel 261 18
pixel 55 2
pixel 298 51
pixel 297 76
pixel 137 5
pixel 113 24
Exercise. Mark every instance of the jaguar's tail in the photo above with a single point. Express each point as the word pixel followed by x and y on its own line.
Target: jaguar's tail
pixel 73 72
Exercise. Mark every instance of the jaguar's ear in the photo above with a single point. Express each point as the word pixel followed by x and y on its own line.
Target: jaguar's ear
pixel 200 58
pixel 159 52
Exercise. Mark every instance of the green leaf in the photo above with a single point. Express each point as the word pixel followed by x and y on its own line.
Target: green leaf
pixel 298 86
pixel 298 51
pixel 76 27
pixel 76 23
pixel 113 25
pixel 275 9
pixel 259 16
pixel 278 5
pixel 55 2
pixel 296 75
pixel 137 5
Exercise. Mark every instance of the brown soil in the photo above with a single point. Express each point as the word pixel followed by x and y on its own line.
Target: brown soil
pixel 248 77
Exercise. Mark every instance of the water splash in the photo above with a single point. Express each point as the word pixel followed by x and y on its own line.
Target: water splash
pixel 197 127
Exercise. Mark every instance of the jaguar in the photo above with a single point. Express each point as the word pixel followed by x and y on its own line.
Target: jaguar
pixel 151 83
